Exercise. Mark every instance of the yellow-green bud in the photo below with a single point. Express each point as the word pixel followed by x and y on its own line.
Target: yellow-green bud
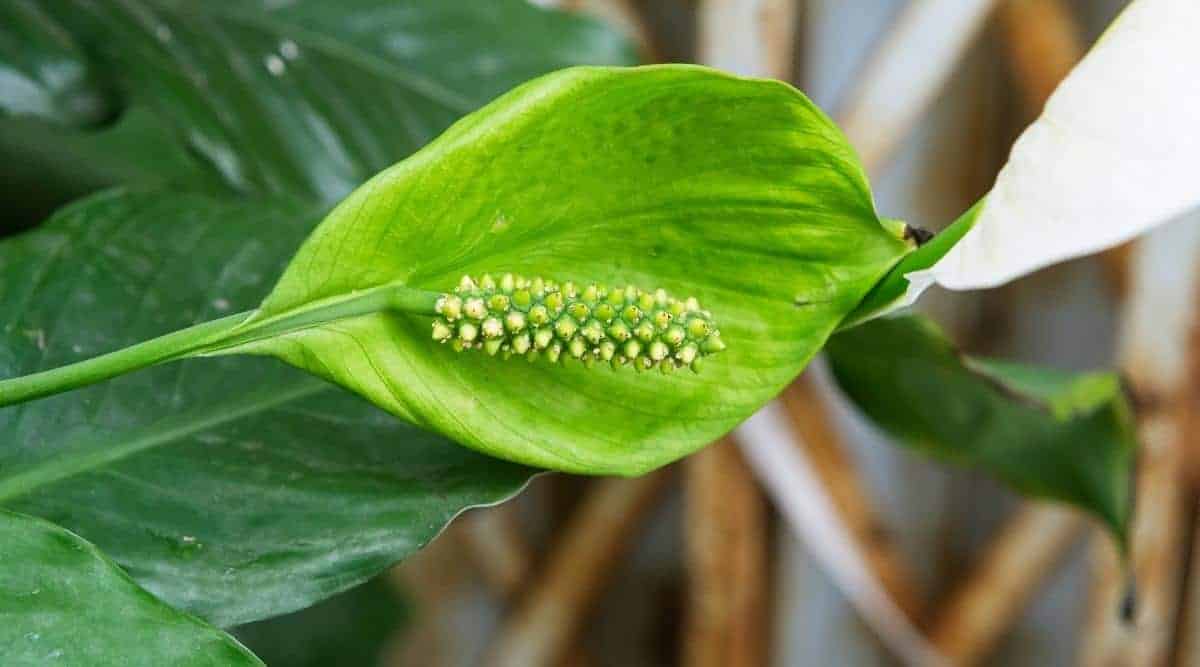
pixel 475 309
pixel 498 302
pixel 492 328
pixel 644 330
pixel 579 310
pixel 441 332
pixel 538 315
pixel 565 327
pixel 514 321
pixel 542 338
pixel 450 307
pixel 537 318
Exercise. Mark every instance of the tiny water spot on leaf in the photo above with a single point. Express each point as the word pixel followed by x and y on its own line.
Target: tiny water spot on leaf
pixel 289 50
pixel 275 64
pixel 37 336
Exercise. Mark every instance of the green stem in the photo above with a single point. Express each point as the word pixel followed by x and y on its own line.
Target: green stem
pixel 215 337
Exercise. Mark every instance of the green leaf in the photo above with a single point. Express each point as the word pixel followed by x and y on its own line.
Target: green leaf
pixel 62 602
pixel 311 98
pixel 43 71
pixel 894 290
pixel 1048 434
pixel 738 192
pixel 352 628
pixel 236 488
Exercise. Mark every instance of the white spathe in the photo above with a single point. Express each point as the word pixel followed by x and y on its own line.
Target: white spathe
pixel 1115 152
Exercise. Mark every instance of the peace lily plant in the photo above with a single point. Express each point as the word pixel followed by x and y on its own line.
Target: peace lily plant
pixel 599 272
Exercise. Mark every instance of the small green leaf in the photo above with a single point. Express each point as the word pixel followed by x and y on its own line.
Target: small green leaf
pixel 1048 434
pixel 235 488
pixel 737 192
pixel 62 602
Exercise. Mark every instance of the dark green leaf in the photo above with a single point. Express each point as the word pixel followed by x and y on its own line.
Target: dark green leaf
pixel 62 602
pixel 351 628
pixel 1047 433
pixel 312 98
pixel 236 488
pixel 43 71
pixel 738 192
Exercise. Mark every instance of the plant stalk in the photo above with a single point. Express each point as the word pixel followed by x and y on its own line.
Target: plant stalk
pixel 214 337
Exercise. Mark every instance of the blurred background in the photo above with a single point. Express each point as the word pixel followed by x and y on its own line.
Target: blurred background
pixel 693 565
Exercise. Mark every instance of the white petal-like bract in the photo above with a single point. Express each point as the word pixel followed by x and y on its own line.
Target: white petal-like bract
pixel 1115 152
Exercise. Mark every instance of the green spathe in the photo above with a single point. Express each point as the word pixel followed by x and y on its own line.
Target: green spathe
pixel 738 192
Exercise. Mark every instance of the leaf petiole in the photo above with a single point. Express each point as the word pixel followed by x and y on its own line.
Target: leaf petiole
pixel 213 337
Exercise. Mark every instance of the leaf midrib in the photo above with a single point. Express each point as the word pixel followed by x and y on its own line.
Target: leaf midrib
pixel 81 458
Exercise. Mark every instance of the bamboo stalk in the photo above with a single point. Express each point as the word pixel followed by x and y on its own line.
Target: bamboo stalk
pixel 792 484
pixel 748 37
pixel 1161 314
pixel 830 459
pixel 553 612
pixel 496 547
pixel 621 14
pixel 1042 45
pixel 725 533
pixel 906 72
pixel 725 525
pixel 1189 627
pixel 1000 585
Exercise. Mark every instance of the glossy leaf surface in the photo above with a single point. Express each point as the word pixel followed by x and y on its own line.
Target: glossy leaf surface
pixel 62 602
pixel 312 98
pixel 236 488
pixel 1049 434
pixel 44 71
pixel 356 627
pixel 737 192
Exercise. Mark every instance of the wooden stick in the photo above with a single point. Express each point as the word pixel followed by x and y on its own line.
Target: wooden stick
pixel 831 461
pixel 725 535
pixel 621 14
pixel 907 71
pixel 748 37
pixel 1000 585
pixel 546 621
pixel 754 38
pixel 495 545
pixel 1160 316
pixel 791 482
pixel 1042 45
pixel 1189 626
pixel 725 523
